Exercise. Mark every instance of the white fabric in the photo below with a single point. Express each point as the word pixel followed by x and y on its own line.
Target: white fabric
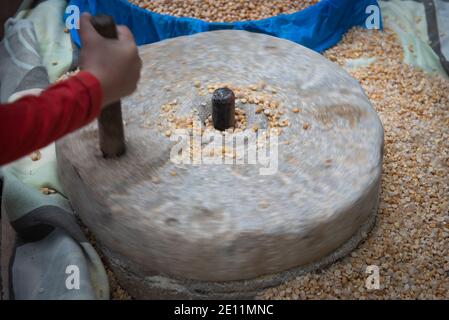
pixel 32 92
pixel 55 45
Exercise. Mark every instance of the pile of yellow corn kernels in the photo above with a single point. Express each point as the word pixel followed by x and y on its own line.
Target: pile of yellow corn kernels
pixel 224 10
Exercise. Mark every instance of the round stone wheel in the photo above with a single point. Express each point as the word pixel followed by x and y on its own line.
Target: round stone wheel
pixel 227 231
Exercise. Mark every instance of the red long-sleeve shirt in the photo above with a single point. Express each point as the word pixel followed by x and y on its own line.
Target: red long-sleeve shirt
pixel 34 122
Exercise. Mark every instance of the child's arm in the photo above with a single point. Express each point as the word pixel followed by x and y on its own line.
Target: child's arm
pixel 33 122
pixel 111 71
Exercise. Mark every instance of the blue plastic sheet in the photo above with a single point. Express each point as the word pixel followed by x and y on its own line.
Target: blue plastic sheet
pixel 317 27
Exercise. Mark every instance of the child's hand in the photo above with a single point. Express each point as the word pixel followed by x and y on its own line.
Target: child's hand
pixel 115 63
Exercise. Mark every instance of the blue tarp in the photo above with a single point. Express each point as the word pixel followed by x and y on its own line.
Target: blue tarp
pixel 317 27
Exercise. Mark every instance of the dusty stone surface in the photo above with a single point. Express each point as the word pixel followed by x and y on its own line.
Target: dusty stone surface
pixel 226 222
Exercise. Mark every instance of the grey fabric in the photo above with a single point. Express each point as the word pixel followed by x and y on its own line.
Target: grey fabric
pixel 437 26
pixel 19 199
pixel 1 278
pixel 21 65
pixel 39 270
pixel 442 10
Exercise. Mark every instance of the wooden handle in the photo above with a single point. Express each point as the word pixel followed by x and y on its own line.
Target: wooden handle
pixel 110 121
pixel 105 26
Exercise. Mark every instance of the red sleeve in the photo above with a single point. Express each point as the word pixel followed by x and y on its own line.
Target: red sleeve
pixel 32 123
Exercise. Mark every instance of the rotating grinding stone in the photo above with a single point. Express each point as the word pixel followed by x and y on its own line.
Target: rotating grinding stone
pixel 226 231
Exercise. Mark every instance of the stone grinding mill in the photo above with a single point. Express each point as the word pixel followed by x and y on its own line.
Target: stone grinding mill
pixel 173 230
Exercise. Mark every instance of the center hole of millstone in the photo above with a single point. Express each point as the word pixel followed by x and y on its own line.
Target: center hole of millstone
pixel 223 112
